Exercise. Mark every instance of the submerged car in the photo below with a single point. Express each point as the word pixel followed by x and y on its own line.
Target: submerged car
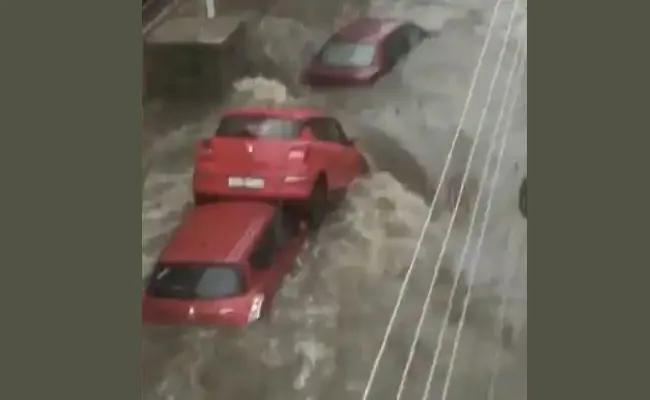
pixel 300 156
pixel 223 266
pixel 362 52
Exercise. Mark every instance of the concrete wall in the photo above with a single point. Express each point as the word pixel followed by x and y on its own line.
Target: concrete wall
pixel 185 77
pixel 193 58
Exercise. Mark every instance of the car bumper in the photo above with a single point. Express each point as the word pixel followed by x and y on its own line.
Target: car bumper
pixel 198 320
pixel 287 187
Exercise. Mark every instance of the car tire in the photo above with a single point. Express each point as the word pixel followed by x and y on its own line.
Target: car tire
pixel 317 206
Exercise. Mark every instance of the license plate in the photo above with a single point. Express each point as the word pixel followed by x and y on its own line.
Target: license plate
pixel 245 183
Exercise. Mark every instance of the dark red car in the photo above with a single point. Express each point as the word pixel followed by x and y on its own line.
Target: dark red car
pixel 362 52
pixel 223 266
pixel 300 156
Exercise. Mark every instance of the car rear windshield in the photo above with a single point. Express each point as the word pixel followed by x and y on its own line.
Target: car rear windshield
pixel 259 127
pixel 189 281
pixel 338 53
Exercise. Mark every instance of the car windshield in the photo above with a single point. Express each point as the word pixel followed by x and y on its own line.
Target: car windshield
pixel 346 54
pixel 196 282
pixel 259 127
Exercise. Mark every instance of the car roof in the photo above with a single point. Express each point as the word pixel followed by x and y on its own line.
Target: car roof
pixel 220 232
pixel 285 113
pixel 369 30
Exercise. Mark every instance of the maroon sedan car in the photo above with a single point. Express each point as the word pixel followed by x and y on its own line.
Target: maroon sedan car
pixel 363 51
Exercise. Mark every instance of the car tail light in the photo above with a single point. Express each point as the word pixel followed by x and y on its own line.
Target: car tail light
pixel 296 164
pixel 257 305
pixel 297 155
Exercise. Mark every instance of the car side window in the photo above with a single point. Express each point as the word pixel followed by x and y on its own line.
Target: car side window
pixel 315 130
pixel 276 235
pixel 396 47
pixel 389 51
pixel 408 38
pixel 414 35
pixel 337 132
pixel 262 256
pixel 332 134
pixel 265 248
pixel 282 224
pixel 321 130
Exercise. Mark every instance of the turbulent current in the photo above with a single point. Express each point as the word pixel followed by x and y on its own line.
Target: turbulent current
pixel 331 316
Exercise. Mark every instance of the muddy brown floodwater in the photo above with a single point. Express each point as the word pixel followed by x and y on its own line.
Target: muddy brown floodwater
pixel 330 318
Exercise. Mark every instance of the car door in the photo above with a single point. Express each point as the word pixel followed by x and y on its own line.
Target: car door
pixel 270 259
pixel 350 162
pixel 262 262
pixel 329 152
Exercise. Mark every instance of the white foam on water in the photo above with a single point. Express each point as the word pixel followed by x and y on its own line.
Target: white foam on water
pixel 330 316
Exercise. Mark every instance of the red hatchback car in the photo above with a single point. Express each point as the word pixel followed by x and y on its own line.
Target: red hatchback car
pixel 223 265
pixel 301 156
pixel 362 52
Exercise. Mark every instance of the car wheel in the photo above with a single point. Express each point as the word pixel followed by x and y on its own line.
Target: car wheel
pixel 317 206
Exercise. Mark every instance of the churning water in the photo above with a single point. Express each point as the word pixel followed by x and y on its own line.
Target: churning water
pixel 331 316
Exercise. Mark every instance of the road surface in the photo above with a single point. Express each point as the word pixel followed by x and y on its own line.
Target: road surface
pixel 330 318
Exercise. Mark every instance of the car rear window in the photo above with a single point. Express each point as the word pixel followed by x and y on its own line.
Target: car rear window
pixel 257 127
pixel 188 281
pixel 338 53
